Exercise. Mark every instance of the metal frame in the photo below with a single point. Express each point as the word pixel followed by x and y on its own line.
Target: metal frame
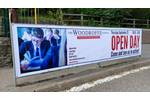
pixel 69 66
pixel 12 46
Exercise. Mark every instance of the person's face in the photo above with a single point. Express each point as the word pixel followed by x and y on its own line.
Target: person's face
pixel 50 35
pixel 36 41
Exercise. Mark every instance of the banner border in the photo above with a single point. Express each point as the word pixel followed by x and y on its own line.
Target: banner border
pixel 16 64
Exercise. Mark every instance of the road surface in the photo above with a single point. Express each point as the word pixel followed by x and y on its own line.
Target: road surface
pixel 134 82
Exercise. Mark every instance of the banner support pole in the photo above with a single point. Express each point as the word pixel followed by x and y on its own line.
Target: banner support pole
pixel 13 58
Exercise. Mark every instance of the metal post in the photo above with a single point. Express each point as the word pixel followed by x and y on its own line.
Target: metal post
pixel 12 45
pixel 61 16
pixel 147 23
pixel 101 21
pixel 35 16
pixel 81 19
pixel 134 23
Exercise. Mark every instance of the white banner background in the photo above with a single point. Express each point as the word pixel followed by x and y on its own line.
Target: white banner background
pixel 91 45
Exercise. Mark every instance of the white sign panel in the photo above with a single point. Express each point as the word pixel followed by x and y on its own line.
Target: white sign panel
pixel 44 48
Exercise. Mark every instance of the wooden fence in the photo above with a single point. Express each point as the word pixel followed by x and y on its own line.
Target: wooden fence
pixel 86 20
pixel 83 20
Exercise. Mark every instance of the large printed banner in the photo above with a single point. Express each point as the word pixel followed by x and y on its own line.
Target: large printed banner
pixel 44 48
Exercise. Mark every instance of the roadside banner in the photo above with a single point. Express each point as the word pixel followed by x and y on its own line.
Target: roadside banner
pixel 43 48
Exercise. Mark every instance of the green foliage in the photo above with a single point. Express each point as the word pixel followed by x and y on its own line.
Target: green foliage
pixel 111 12
pixel 91 22
pixel 56 16
pixel 111 16
pixel 104 12
pixel 140 13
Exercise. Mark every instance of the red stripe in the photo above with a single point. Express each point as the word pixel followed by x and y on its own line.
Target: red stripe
pixel 88 37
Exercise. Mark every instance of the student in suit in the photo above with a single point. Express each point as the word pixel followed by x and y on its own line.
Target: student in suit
pixel 33 52
pixel 20 41
pixel 55 42
pixel 52 56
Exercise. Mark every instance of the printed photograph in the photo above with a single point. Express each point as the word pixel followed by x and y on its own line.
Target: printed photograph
pixel 41 48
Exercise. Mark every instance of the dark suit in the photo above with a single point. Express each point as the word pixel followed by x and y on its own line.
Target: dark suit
pixel 28 46
pixel 55 49
pixel 20 41
pixel 51 60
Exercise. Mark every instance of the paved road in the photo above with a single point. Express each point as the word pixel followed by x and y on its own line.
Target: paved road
pixel 135 82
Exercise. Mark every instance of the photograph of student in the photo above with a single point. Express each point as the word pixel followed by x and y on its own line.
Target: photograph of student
pixel 53 54
pixel 41 48
pixel 48 33
pixel 32 52
pixel 56 40
pixel 52 57
pixel 24 35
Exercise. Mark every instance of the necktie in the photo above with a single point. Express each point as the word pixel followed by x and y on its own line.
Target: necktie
pixel 37 51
